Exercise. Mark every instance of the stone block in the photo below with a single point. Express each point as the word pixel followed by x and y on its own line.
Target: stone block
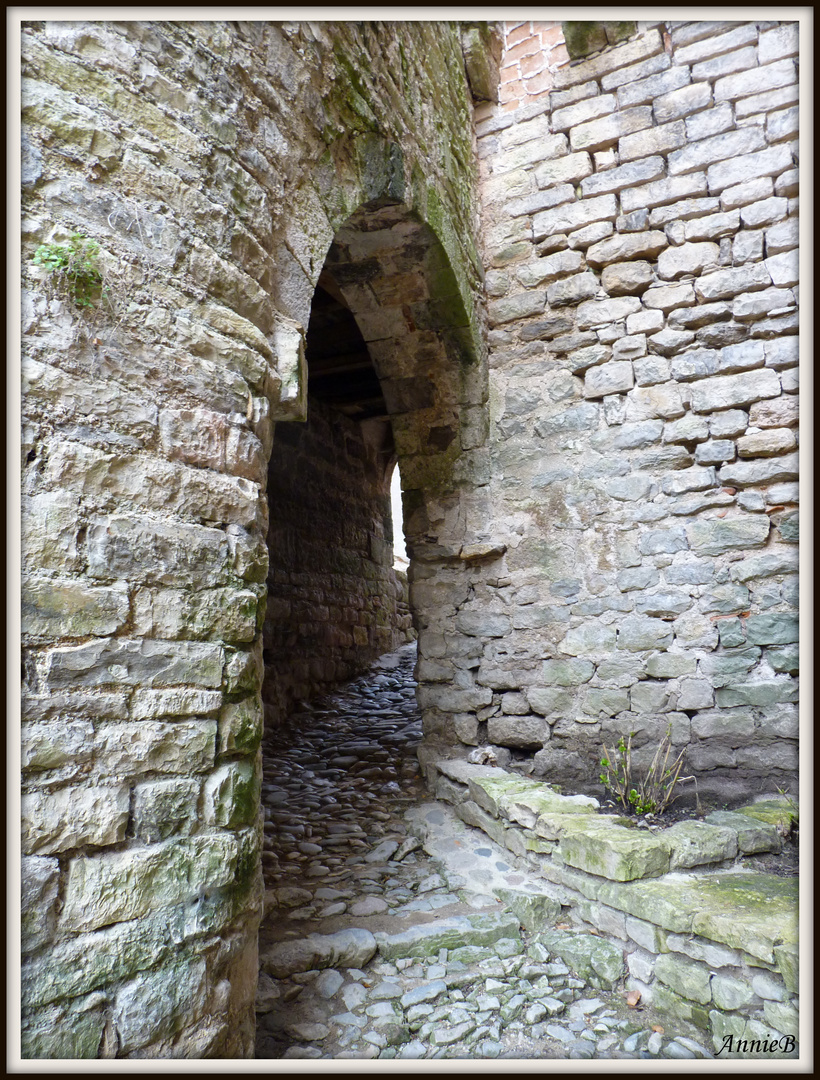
pixel 135 663
pixel 642 634
pixel 696 478
pixel 589 638
pixel 155 1004
pixel 580 112
pixel 657 66
pixel 651 370
pixel 655 140
pixel 695 843
pixel 231 795
pixel 165 808
pixel 673 189
pixel 575 215
pixel 714 43
pixel 572 290
pixel 73 818
pixel 690 258
pixel 69 607
pixel 718 536
pixel 624 176
pixel 729 391
pixel 39 880
pixel 780 628
pixel 648 44
pixel 758 305
pixel 566 672
pixel 126 885
pixel 134 749
pixel 686 977
pixel 599 702
pixel 760 471
pixel 642 245
pixel 607 130
pixel 781 353
pixel 240 727
pixel 549 702
pixel 564 170
pixel 49 525
pixel 669 297
pixel 767 443
pixel 759 80
pixel 428 939
pixel 787 958
pixel 751 166
pixel 715 452
pixel 550 268
pixel 231 615
pixel 614 852
pixel 704 152
pixel 483 624
pixel 681 101
pixel 514 307
pixel 70 1031
pixel 612 378
pixel 211 440
pixel 179 701
pixel 123 546
pixel 595 960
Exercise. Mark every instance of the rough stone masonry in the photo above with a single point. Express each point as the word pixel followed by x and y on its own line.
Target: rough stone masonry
pixel 573 277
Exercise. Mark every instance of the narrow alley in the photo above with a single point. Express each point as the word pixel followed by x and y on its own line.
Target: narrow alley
pixel 384 935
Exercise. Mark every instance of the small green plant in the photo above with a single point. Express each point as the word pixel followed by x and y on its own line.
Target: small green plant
pixel 73 267
pixel 648 794
pixel 789 830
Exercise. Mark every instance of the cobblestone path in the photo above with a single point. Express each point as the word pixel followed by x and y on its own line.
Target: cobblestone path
pixel 370 947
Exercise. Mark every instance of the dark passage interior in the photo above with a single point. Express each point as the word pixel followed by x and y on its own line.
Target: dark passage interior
pixel 335 602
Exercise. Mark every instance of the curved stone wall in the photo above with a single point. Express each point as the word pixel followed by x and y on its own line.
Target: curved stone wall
pixel 213 164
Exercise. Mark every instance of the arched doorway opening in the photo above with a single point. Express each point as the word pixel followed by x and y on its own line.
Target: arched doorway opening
pixel 393 376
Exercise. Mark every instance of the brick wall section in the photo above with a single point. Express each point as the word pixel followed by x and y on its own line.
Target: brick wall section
pixel 640 230
pixel 532 53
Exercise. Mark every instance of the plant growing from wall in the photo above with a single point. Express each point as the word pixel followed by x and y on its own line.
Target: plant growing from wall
pixel 651 793
pixel 73 268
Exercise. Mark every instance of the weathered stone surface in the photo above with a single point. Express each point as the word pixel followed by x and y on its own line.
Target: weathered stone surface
pixel 612 378
pixel 73 818
pixel 348 948
pixel 524 731
pixel 752 836
pixel 134 662
pixel 71 608
pixel 39 879
pixel 630 246
pixel 693 843
pixel 614 852
pixel 687 978
pixel 588 956
pixel 122 886
pixel 450 933
pixel 717 536
pixel 728 391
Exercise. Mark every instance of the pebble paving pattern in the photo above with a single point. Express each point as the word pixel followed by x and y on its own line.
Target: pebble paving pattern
pixel 339 859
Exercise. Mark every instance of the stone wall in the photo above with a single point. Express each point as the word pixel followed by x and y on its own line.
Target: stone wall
pixel 214 164
pixel 334 600
pixel 640 234
pixel 601 523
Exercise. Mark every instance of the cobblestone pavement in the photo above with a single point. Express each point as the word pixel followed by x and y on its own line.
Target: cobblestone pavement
pixel 372 947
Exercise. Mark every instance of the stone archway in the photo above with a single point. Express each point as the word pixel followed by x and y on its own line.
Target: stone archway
pixel 391 374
